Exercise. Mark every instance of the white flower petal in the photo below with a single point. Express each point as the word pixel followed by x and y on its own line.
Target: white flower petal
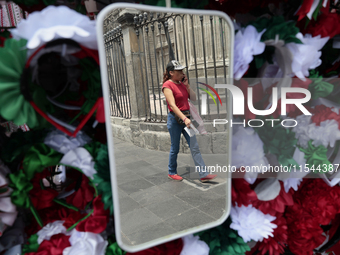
pixel 56 22
pixel 50 230
pixel 192 245
pixel 251 223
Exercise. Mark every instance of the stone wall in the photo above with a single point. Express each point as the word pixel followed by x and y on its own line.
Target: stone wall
pixel 155 136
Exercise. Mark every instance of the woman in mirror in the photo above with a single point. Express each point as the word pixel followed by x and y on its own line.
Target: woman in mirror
pixel 177 91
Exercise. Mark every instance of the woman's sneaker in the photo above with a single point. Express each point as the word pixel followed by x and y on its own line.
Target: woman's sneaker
pixel 175 177
pixel 209 177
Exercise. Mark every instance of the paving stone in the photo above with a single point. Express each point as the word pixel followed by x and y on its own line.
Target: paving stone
pixel 134 186
pixel 216 208
pixel 159 178
pixel 189 219
pixel 196 197
pixel 127 176
pixel 151 233
pixel 169 208
pixel 127 204
pixel 151 196
pixel 137 219
pixel 175 187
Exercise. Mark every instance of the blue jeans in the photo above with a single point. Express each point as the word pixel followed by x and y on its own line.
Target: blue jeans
pixel 175 131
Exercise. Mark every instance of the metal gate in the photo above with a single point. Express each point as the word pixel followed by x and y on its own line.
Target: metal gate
pixel 197 41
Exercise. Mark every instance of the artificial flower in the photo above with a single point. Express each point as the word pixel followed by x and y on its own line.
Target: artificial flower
pixel 307 8
pixel 81 159
pixel 247 43
pixel 170 248
pixel 276 205
pixel 82 196
pixel 251 223
pixel 316 157
pixel 319 87
pixel 224 240
pixel 56 22
pixel 241 192
pixel 275 245
pixel 247 149
pixel 54 246
pixel 304 232
pixel 98 219
pixel 14 106
pixel 193 245
pixel 325 26
pixel 63 143
pixel 319 200
pixel 50 230
pixel 21 187
pixel 322 113
pixel 279 141
pixel 85 243
pixel 306 56
pixel 102 177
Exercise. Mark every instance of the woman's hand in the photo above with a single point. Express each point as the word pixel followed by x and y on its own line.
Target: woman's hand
pixel 187 122
pixel 186 82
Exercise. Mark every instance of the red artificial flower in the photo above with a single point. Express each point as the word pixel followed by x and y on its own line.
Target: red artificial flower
pixel 83 195
pixel 98 220
pixel 321 201
pixel 42 198
pixel 275 245
pixel 322 113
pixel 241 192
pixel 170 248
pixel 277 205
pixel 304 232
pixel 54 246
pixel 304 9
pixel 327 24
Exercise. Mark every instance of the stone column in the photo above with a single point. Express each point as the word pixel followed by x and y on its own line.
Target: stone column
pixel 134 75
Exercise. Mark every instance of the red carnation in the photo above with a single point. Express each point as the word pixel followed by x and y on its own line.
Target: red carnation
pixel 275 245
pixel 322 113
pixel 304 232
pixel 170 248
pixel 277 205
pixel 241 192
pixel 319 200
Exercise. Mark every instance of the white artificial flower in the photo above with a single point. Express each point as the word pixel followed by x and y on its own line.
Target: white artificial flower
pixel 247 150
pixel 251 223
pixel 85 243
pixel 63 143
pixel 192 245
pixel 306 56
pixel 50 230
pixel 54 23
pixel 80 158
pixel 247 44
pixel 326 134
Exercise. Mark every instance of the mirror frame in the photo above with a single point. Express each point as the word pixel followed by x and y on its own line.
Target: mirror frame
pixel 110 143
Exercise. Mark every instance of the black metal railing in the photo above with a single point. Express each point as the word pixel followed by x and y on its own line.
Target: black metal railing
pixel 120 105
pixel 199 42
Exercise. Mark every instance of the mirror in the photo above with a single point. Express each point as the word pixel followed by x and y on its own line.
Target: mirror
pixel 136 42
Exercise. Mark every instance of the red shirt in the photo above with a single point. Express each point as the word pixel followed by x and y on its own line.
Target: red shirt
pixel 180 93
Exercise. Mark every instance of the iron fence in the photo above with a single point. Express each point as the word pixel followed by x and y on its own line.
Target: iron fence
pixel 199 42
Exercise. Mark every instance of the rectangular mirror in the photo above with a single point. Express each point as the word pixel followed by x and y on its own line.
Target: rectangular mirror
pixel 147 146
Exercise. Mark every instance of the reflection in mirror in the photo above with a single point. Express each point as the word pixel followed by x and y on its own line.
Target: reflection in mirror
pixel 139 45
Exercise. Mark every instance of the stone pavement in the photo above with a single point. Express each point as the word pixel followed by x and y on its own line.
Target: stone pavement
pixel 152 205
